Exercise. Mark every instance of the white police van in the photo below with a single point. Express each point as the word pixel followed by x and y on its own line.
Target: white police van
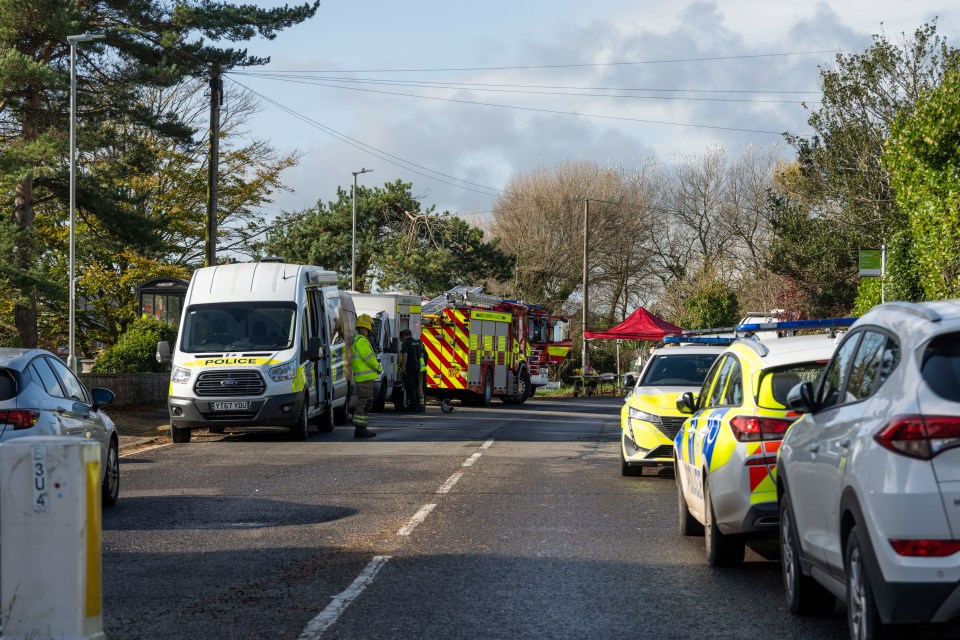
pixel 261 344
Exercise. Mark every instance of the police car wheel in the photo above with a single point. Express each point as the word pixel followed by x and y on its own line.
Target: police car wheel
pixel 805 596
pixel 688 524
pixel 723 550
pixel 380 402
pixel 628 470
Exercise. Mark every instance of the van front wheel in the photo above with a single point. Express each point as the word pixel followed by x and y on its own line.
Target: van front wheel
pixel 301 430
pixel 179 436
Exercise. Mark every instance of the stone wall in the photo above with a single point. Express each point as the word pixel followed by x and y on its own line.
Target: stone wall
pixel 131 388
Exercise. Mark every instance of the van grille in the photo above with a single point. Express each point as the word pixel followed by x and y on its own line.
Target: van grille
pixel 216 383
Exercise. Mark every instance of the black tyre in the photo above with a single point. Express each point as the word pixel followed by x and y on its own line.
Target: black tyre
pixel 688 525
pixel 487 397
pixel 723 550
pixel 805 596
pixel 178 435
pixel 324 421
pixel 628 470
pixel 380 401
pixel 111 477
pixel 523 391
pixel 533 390
pixel 862 615
pixel 301 430
pixel 340 414
pixel 398 398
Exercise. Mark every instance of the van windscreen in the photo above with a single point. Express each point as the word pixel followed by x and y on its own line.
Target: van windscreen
pixel 253 326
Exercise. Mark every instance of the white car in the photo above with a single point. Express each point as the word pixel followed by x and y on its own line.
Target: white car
pixel 869 476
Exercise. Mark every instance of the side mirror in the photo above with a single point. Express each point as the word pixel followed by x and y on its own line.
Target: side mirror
pixel 102 397
pixel 163 352
pixel 314 348
pixel 394 346
pixel 800 398
pixel 686 403
pixel 629 381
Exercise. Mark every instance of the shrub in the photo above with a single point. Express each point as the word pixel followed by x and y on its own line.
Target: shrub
pixel 135 349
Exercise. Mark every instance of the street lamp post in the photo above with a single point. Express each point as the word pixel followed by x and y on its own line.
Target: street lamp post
pixel 73 40
pixel 353 251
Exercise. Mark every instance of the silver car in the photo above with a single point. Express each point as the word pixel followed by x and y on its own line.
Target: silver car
pixel 869 476
pixel 40 396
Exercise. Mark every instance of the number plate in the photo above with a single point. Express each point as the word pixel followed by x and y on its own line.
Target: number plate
pixel 229 406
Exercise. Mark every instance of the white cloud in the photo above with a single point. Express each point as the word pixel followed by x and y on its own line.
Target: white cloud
pixel 486 145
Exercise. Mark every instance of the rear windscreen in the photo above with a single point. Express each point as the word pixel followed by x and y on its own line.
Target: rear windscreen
pixel 775 384
pixel 941 366
pixel 8 386
pixel 679 369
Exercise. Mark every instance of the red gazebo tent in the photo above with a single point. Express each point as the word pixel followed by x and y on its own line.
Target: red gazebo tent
pixel 640 325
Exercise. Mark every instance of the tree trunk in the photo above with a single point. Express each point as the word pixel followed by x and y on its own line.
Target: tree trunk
pixel 25 310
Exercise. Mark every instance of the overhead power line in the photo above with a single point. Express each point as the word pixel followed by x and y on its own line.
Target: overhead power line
pixel 573 65
pixel 507 89
pixel 542 110
pixel 379 153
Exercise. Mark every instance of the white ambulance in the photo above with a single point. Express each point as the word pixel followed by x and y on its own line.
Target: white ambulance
pixel 392 313
pixel 261 344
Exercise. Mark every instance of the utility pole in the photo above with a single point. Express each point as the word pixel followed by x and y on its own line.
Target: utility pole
pixel 586 281
pixel 216 101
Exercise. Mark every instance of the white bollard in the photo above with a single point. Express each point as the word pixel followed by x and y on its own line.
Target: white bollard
pixel 50 539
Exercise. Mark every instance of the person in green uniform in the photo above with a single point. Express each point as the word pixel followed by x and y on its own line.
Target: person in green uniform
pixel 366 369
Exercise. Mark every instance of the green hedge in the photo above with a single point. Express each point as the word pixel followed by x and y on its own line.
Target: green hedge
pixel 135 350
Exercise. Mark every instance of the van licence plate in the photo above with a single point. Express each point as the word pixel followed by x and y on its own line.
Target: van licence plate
pixel 229 406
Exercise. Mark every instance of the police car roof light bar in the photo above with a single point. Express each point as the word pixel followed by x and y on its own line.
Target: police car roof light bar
pixel 706 340
pixel 796 325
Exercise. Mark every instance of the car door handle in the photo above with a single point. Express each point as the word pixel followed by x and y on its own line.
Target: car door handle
pixel 813 448
pixel 845 444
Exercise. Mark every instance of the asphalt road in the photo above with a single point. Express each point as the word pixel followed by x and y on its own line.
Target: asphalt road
pixel 533 533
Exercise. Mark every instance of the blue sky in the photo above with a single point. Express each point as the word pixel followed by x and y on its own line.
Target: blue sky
pixel 458 153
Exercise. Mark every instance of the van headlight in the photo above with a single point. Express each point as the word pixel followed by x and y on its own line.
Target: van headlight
pixel 282 372
pixel 637 414
pixel 179 375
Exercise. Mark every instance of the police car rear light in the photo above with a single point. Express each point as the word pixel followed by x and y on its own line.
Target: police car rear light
pixel 756 428
pixel 925 548
pixel 920 436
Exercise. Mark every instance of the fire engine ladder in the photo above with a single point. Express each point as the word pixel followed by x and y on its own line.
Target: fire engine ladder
pixel 462 296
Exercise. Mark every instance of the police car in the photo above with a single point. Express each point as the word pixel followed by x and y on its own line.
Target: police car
pixel 726 451
pixel 649 419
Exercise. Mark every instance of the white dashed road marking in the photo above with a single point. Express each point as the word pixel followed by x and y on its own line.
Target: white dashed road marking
pixel 314 630
pixel 342 600
pixel 417 518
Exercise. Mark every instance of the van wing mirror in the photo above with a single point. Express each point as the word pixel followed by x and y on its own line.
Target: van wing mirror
pixel 801 398
pixel 163 352
pixel 314 349
pixel 686 403
pixel 394 345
